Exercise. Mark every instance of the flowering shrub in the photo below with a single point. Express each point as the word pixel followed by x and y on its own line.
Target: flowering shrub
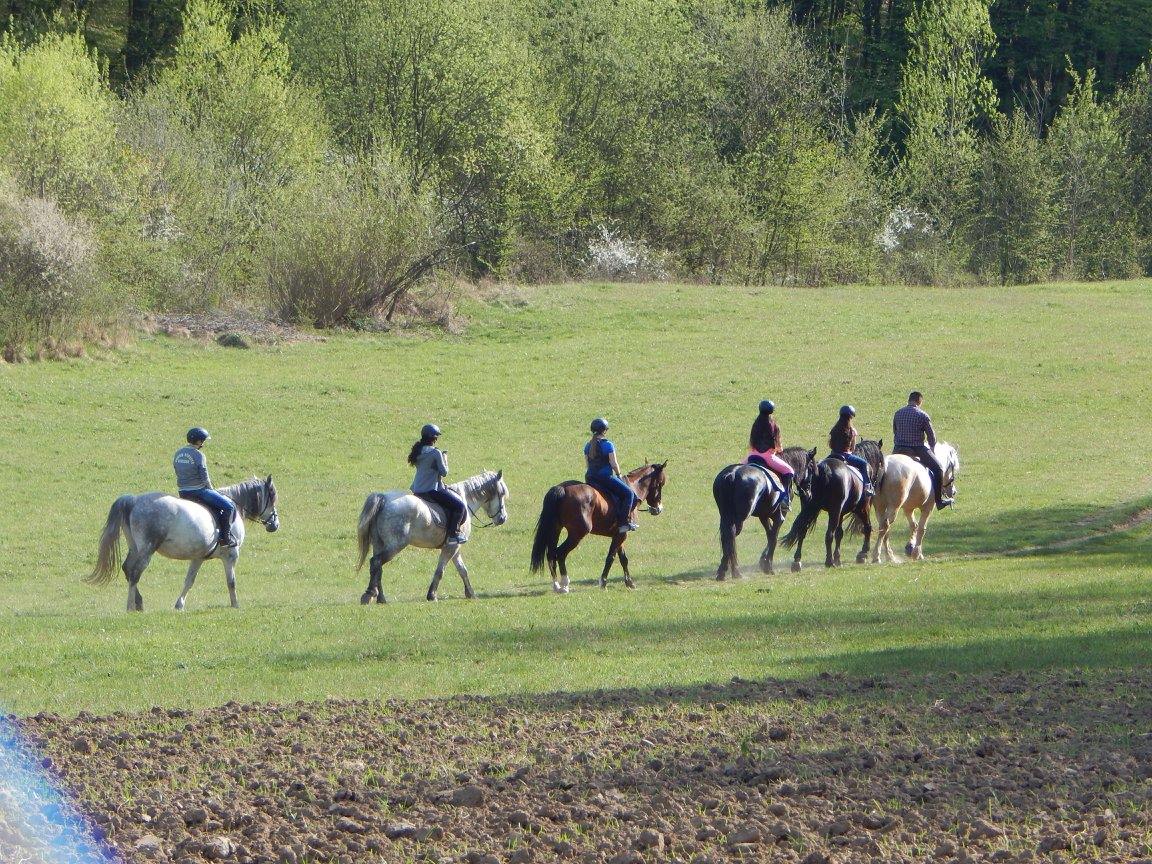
pixel 620 258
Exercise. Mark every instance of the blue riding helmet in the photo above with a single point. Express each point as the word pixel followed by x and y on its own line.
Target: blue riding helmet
pixel 430 430
pixel 847 411
pixel 599 425
pixel 197 434
pixel 767 406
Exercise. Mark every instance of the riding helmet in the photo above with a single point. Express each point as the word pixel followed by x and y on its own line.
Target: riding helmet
pixel 430 430
pixel 847 411
pixel 197 434
pixel 599 425
pixel 767 406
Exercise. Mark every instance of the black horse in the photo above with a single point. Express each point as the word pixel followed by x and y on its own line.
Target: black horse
pixel 746 490
pixel 837 489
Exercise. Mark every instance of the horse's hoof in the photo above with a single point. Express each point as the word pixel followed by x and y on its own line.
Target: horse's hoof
pixel 721 576
pixel 432 598
pixel 565 590
pixel 179 606
pixel 365 599
pixel 556 588
pixel 381 600
pixel 861 559
pixel 797 566
pixel 629 584
pixel 909 549
pixel 469 596
pixel 766 566
pixel 603 586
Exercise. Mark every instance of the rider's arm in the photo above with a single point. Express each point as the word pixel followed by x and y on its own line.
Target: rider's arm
pixel 929 431
pixel 441 463
pixel 612 461
pixel 202 466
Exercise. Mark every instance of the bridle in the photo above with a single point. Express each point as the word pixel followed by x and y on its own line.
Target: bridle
pixel 495 491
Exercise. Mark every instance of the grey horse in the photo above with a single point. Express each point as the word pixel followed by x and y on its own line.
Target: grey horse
pixel 179 529
pixel 389 521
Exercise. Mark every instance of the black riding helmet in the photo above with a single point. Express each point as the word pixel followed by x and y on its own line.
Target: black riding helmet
pixel 430 430
pixel 599 425
pixel 197 435
pixel 767 406
pixel 847 411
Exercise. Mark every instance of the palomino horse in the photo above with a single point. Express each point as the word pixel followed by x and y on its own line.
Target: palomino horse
pixel 390 521
pixel 906 485
pixel 184 530
pixel 745 490
pixel 582 510
pixel 838 489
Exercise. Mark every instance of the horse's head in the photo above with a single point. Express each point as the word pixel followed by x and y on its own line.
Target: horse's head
pixel 493 495
pixel 650 484
pixel 267 514
pixel 806 474
pixel 951 465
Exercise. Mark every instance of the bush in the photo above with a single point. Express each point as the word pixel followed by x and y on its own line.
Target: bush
pixel 47 287
pixel 359 241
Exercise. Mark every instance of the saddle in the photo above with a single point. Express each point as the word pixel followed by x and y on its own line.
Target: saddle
pixel 772 476
pixel 864 480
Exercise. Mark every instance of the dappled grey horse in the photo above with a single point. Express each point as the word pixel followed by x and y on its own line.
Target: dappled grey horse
pixel 179 529
pixel 389 521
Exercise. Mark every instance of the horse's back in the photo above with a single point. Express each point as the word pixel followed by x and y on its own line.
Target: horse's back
pixel 174 527
pixel 905 481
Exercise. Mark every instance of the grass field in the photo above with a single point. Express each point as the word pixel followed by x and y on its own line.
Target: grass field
pixel 1042 390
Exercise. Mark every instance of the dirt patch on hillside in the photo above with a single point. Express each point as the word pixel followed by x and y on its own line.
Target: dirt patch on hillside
pixel 1012 768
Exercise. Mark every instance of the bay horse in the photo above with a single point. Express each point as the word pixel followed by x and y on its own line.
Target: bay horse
pixel 839 490
pixel 179 529
pixel 745 490
pixel 906 486
pixel 581 509
pixel 390 521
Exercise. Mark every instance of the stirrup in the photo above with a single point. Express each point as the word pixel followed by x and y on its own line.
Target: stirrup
pixel 225 538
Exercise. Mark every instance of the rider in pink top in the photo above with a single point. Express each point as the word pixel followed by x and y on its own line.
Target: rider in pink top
pixel 764 445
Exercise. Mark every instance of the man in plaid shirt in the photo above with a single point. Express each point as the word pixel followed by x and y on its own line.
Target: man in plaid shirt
pixel 911 426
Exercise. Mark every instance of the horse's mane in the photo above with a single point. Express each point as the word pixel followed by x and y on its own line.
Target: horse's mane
pixel 474 484
pixel 248 494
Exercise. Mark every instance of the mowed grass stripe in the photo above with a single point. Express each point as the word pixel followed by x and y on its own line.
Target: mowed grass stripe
pixel 1039 388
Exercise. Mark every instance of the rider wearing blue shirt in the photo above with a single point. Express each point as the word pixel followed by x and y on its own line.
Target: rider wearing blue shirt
pixel 193 483
pixel 603 473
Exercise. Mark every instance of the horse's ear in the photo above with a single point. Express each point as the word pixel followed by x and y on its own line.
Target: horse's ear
pixel 268 482
pixel 812 453
pixel 880 445
pixel 499 473
pixel 663 465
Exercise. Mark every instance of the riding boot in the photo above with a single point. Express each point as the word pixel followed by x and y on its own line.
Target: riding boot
pixel 225 532
pixel 786 498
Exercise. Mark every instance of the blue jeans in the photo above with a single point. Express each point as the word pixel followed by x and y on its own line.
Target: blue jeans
pixel 220 505
pixel 856 462
pixel 617 491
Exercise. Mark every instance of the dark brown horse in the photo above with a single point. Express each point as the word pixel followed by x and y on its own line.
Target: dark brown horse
pixel 581 510
pixel 839 490
pixel 743 491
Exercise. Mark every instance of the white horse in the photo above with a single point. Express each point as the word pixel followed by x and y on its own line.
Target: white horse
pixel 906 485
pixel 180 529
pixel 389 521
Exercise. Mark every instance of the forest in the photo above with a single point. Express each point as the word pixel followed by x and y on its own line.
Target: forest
pixel 321 160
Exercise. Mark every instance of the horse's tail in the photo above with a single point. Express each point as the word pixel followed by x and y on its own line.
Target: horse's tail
pixel 372 505
pixel 809 510
pixel 547 528
pixel 856 521
pixel 108 558
pixel 733 511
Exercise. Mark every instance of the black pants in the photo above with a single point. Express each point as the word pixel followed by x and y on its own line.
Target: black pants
pixel 453 504
pixel 928 460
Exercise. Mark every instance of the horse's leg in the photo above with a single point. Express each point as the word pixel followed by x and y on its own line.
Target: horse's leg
pixel 229 560
pixel 835 514
pixel 134 563
pixel 624 563
pixel 771 523
pixel 910 548
pixel 862 555
pixel 445 554
pixel 189 581
pixel 553 570
pixel 458 560
pixel 570 542
pixel 617 539
pixel 925 511
pixel 376 564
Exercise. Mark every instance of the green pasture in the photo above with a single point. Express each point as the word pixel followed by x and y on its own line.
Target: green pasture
pixel 1044 390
